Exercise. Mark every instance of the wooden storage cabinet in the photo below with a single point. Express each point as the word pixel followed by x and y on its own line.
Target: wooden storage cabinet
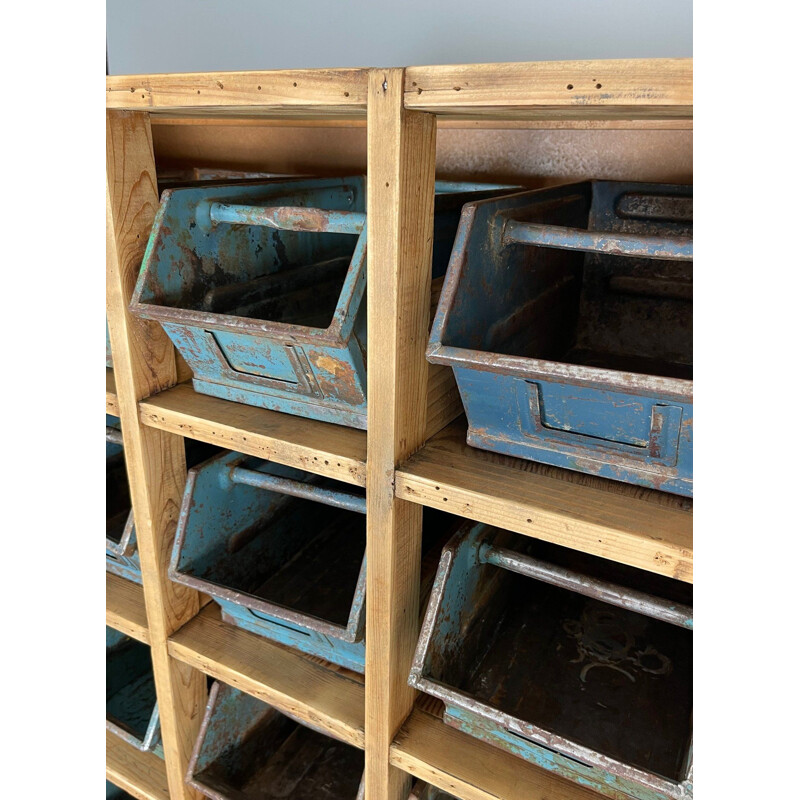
pixel 410 456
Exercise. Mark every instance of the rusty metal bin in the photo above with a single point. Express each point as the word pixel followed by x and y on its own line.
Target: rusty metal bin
pixel 427 791
pixel 283 553
pixel 131 706
pixel 122 555
pixel 262 289
pixel 566 315
pixel 247 750
pixel 115 793
pixel 576 664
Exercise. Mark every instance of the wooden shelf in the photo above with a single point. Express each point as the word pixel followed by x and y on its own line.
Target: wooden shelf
pixel 646 529
pixel 302 93
pixel 584 91
pixel 141 774
pixel 125 609
pixel 112 407
pixel 308 689
pixel 471 769
pixel 320 447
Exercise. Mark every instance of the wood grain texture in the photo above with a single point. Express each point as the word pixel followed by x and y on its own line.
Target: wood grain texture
pixel 141 774
pixel 319 447
pixel 641 527
pixel 125 609
pixel 471 769
pixel 401 153
pixel 652 88
pixel 318 92
pixel 144 363
pixel 112 407
pixel 305 688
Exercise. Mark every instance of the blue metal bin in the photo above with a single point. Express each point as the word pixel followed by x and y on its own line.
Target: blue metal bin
pixel 131 706
pixel 247 750
pixel 579 665
pixel 262 289
pixel 566 315
pixel 122 557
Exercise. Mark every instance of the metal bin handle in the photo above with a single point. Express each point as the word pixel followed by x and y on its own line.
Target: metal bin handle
pixel 606 592
pixel 675 248
pixel 308 491
pixel 289 218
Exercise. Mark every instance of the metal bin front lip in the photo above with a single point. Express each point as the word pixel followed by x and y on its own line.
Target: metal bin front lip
pixel 126 546
pixel 450 696
pixel 151 737
pixel 353 632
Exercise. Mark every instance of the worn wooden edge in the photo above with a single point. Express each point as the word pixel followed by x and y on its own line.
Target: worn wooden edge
pixel 639 527
pixel 646 89
pixel 304 688
pixel 320 447
pixel 304 92
pixel 125 609
pixel 112 406
pixel 139 773
pixel 432 751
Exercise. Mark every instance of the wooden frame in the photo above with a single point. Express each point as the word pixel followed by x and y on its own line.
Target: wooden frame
pixel 406 459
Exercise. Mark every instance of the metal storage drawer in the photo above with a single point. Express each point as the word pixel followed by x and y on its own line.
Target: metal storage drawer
pixel 563 659
pixel 566 315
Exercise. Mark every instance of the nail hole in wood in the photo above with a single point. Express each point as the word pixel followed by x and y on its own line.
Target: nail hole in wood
pixel 599 86
pixel 347 94
pixel 295 83
pixel 569 86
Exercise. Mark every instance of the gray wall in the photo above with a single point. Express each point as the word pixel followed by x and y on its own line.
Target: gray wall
pixel 209 35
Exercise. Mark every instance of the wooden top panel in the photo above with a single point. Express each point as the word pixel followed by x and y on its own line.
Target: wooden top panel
pixel 318 92
pixel 321 694
pixel 651 88
pixel 319 447
pixel 471 769
pixel 141 774
pixel 640 527
pixel 125 610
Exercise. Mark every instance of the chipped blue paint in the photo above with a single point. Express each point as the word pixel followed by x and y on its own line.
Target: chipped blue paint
pixel 261 287
pixel 247 535
pixel 131 707
pixel 577 360
pixel 467 602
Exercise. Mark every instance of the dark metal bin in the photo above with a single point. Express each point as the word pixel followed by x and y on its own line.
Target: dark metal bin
pixel 122 557
pixel 247 750
pixel 131 706
pixel 566 315
pixel 564 659
pixel 262 289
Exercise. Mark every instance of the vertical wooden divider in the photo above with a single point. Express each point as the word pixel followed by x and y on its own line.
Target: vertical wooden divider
pixel 144 363
pixel 401 157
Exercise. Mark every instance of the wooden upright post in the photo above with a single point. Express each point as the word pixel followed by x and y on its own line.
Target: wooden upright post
pixel 401 156
pixel 144 363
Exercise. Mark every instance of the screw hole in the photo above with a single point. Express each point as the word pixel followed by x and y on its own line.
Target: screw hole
pixel 599 86
pixel 387 183
pixel 347 94
pixel 528 520
pixel 295 83
pixel 259 88
pixel 569 86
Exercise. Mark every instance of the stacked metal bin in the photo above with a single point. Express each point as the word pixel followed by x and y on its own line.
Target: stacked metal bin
pixel 247 749
pixel 261 287
pixel 131 705
pixel 566 315
pixel 282 551
pixel 579 665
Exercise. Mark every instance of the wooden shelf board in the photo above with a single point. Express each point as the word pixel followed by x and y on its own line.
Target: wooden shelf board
pixel 125 610
pixel 141 774
pixel 644 528
pixel 303 93
pixel 112 407
pixel 308 689
pixel 319 447
pixel 471 769
pixel 623 89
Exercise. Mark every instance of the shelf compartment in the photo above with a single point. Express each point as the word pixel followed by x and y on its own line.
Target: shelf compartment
pixel 139 773
pixel 630 89
pixel 306 688
pixel 112 407
pixel 303 93
pixel 635 526
pixel 432 751
pixel 125 609
pixel 319 447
